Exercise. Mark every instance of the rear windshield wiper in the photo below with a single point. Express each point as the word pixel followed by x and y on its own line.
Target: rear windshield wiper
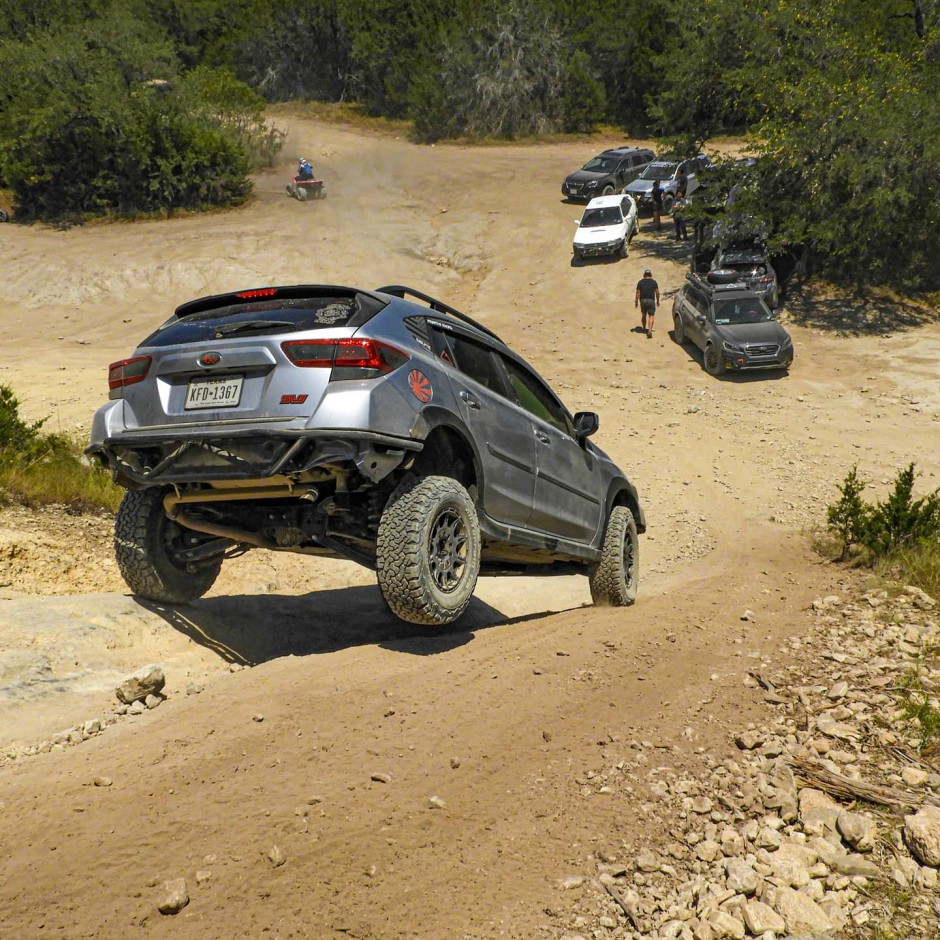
pixel 249 326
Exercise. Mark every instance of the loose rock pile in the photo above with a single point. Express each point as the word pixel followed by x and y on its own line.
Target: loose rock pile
pixel 825 824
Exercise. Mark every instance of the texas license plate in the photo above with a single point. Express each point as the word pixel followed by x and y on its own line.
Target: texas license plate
pixel 214 393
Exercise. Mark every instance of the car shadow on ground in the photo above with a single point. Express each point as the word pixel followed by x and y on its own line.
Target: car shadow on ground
pixel 849 312
pixel 253 630
pixel 598 259
pixel 757 375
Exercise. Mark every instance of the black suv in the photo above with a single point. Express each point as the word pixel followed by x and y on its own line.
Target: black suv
pixel 607 173
pixel 731 324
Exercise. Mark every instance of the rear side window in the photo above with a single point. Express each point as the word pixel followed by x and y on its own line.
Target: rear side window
pixel 477 362
pixel 259 318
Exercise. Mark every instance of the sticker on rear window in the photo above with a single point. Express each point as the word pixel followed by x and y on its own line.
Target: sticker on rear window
pixel 420 386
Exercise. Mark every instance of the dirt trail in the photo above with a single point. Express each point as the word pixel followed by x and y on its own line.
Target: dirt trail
pixel 530 693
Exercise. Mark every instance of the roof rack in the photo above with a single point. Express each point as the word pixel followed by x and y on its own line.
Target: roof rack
pixel 399 290
pixel 705 282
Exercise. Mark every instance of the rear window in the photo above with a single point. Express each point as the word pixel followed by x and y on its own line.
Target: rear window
pixel 263 318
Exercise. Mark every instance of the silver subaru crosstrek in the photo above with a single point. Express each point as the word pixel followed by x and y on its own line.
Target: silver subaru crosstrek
pixel 381 426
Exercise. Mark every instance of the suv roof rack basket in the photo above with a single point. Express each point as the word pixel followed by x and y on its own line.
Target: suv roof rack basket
pixel 399 290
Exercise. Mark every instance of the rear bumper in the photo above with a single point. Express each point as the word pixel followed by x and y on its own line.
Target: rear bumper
pixel 150 459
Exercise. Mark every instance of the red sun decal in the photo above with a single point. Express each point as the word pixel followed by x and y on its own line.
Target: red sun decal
pixel 420 386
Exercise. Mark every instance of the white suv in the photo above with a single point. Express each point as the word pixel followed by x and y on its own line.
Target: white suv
pixel 606 228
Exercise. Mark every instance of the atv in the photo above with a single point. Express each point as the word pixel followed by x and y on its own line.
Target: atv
pixel 306 189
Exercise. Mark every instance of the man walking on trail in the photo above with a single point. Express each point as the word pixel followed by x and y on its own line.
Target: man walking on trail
pixel 647 299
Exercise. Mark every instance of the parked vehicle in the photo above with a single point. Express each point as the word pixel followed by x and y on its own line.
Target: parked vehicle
pixel 750 264
pixel 672 175
pixel 607 173
pixel 731 324
pixel 381 426
pixel 606 227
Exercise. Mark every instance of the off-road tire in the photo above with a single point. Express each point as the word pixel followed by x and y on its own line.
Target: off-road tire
pixel 302 193
pixel 144 538
pixel 615 578
pixel 713 359
pixel 678 330
pixel 428 550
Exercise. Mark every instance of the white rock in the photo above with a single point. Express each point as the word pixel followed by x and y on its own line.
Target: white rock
pixel 742 879
pixel 175 896
pixel 922 831
pixel 761 919
pixel 724 925
pixel 914 776
pixel 146 681
pixel 858 831
pixel 838 691
pixel 800 913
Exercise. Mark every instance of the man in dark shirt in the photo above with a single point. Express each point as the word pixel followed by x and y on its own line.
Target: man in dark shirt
pixel 647 299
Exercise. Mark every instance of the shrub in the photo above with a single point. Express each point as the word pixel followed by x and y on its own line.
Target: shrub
pixel 849 517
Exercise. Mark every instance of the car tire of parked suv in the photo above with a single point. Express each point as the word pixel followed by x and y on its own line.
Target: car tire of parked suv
pixel 668 200
pixel 714 360
pixel 146 545
pixel 615 578
pixel 608 190
pixel 428 550
pixel 678 330
pixel 624 248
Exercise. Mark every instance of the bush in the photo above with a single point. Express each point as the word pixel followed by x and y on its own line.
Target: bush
pixel 900 535
pixel 90 130
pixel 47 468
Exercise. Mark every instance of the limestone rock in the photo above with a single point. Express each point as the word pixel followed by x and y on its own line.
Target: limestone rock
pixel 816 806
pixel 175 896
pixel 800 913
pixel 742 879
pixel 922 831
pixel 761 919
pixel 858 831
pixel 148 680
pixel 724 925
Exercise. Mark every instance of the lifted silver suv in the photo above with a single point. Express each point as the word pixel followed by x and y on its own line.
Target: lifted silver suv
pixel 380 426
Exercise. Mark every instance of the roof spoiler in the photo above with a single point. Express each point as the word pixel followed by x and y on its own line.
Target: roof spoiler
pixel 399 290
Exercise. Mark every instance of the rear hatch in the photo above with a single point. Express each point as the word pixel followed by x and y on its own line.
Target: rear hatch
pixel 250 357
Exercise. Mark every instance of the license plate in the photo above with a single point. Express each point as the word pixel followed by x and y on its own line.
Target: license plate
pixel 214 393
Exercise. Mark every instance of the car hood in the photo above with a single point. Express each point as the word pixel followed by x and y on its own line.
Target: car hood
pixel 584 176
pixel 640 187
pixel 769 332
pixel 600 234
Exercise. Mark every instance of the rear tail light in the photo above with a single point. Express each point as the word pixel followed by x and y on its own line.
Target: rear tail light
pixel 255 294
pixel 128 371
pixel 348 358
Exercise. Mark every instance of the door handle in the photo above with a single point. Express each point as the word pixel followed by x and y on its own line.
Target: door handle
pixel 542 437
pixel 470 400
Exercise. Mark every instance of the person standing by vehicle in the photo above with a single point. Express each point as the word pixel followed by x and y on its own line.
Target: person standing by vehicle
pixel 678 215
pixel 647 299
pixel 657 197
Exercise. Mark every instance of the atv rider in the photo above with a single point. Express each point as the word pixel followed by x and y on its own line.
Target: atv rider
pixel 304 169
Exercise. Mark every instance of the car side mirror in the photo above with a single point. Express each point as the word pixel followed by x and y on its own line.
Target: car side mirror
pixel 585 424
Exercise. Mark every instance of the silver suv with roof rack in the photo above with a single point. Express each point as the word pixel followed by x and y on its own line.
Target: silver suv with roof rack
pixel 730 323
pixel 381 426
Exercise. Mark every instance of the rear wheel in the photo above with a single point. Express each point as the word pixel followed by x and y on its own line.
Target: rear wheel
pixel 615 578
pixel 428 550
pixel 302 193
pixel 150 551
pixel 714 361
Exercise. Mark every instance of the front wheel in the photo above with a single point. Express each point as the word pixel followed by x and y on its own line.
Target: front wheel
pixel 678 329
pixel 714 360
pixel 428 550
pixel 668 200
pixel 151 550
pixel 608 190
pixel 3 216
pixel 615 578
pixel 624 248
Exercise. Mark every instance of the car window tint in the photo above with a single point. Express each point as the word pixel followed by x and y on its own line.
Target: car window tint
pixel 536 398
pixel 477 362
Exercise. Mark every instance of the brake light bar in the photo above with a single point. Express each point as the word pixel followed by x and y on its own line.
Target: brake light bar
pixel 369 354
pixel 128 371
pixel 254 294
